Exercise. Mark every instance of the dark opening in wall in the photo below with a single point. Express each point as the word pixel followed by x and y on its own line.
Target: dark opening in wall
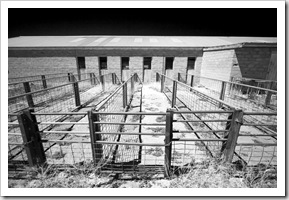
pixel 81 62
pixel 103 62
pixel 147 62
pixel 124 63
pixel 191 63
pixel 169 62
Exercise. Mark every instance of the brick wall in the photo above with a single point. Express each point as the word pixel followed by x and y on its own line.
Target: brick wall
pixel 253 62
pixel 157 66
pixel 217 64
pixel 136 66
pixel 19 67
pixel 113 66
pixel 92 65
pixel 180 66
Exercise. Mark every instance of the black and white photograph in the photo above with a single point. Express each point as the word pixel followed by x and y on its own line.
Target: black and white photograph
pixel 150 98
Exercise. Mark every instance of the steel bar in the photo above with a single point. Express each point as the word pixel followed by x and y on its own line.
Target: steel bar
pixel 125 123
pixel 197 140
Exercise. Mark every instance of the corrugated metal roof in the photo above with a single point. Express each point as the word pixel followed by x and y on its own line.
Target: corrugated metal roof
pixel 132 41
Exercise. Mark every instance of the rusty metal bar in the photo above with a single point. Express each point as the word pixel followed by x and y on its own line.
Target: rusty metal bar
pixel 70 132
pixel 259 113
pixel 246 124
pixel 130 113
pixel 201 131
pixel 61 113
pixel 168 141
pixel 64 123
pixel 259 135
pixel 255 144
pixel 206 120
pixel 197 140
pixel 125 123
pixel 44 83
pixel 28 96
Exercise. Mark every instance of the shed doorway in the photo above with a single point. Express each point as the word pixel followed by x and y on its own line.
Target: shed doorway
pixel 147 69
pixel 169 62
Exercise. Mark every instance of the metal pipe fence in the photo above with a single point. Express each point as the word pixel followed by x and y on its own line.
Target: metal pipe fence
pixel 268 84
pixel 187 99
pixel 196 128
pixel 58 133
pixel 35 77
pixel 246 97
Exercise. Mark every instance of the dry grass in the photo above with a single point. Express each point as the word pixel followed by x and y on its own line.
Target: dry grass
pixel 208 174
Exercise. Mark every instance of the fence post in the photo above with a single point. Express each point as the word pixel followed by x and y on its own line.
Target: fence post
pixel 31 138
pixel 168 141
pixel 179 76
pixel 44 83
pixel 124 95
pixel 269 95
pixel 192 81
pixel 222 93
pixel 112 78
pixel 69 77
pixel 162 83
pixel 29 98
pixel 132 84
pixel 223 90
pixel 91 78
pixel 76 91
pixel 228 147
pixel 174 95
pixel 97 151
pixel 102 82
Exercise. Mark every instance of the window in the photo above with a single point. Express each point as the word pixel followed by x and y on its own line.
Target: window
pixel 103 62
pixel 125 62
pixel 81 62
pixel 169 62
pixel 147 62
pixel 191 63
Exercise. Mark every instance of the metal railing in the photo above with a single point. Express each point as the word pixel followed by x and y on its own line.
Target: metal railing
pixel 242 96
pixel 268 84
pixel 197 127
pixel 186 98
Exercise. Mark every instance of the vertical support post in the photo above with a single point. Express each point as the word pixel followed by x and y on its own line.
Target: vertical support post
pixel 102 82
pixel 168 141
pixel 223 91
pixel 192 82
pixel 112 78
pixel 162 83
pixel 132 84
pixel 174 95
pixel 78 69
pixel 44 83
pixel 124 95
pixel 94 79
pixel 76 91
pixel 69 77
pixel 31 138
pixel 157 77
pixel 91 78
pixel 269 95
pixel 228 147
pixel 93 128
pixel 179 76
pixel 28 96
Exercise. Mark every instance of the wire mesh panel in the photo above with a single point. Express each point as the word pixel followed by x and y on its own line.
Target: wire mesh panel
pixel 188 153
pixel 257 142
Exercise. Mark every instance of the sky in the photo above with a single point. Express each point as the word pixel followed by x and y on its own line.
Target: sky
pixel 161 22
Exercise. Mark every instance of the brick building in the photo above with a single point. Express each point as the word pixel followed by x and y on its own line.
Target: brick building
pixel 216 57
